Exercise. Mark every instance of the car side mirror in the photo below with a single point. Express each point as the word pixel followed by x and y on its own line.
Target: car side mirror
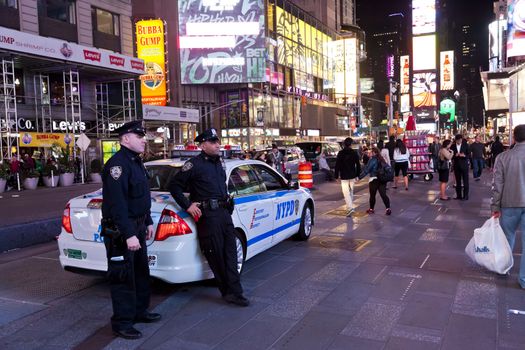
pixel 293 185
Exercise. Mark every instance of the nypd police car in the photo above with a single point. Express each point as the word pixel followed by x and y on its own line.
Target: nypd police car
pixel 268 210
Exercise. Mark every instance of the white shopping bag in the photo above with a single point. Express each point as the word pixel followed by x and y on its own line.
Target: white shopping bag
pixel 489 247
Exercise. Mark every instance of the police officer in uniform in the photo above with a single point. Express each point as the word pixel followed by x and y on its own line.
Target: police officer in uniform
pixel 126 225
pixel 205 179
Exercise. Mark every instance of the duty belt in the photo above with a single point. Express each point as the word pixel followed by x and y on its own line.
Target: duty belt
pixel 213 204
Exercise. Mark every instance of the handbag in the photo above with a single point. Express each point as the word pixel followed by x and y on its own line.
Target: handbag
pixel 442 164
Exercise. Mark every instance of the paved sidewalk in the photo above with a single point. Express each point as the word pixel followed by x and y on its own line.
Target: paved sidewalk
pixel 410 287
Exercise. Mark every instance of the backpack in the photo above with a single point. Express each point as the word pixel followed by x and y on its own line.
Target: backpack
pixel 385 173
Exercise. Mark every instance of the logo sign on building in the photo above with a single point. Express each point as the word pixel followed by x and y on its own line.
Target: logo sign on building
pixel 390 66
pixel 347 13
pixel 516 28
pixel 423 16
pixel 151 48
pixel 222 41
pixel 404 72
pixel 41 139
pixel 446 70
pixel 424 52
pixel 424 89
pixel 164 113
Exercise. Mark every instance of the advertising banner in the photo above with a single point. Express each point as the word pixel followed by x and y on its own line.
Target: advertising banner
pixel 424 89
pixel 14 40
pixel 151 48
pixel 41 139
pixel 367 85
pixel 404 72
pixel 345 63
pixel 423 16
pixel 390 66
pixel 175 114
pixel 222 41
pixel 424 52
pixel 496 31
pixel 448 106
pixel 446 70
pixel 405 103
pixel 516 28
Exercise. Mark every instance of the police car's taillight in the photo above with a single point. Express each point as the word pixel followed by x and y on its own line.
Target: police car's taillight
pixel 66 219
pixel 171 224
pixel 95 203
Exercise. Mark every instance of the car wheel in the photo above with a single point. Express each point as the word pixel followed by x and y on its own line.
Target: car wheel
pixel 240 248
pixel 307 223
pixel 428 177
pixel 411 176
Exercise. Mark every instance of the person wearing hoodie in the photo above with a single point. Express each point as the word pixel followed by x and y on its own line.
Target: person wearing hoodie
pixel 347 168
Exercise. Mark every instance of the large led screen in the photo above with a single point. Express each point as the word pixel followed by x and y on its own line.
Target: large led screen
pixel 423 16
pixel 496 31
pixel 404 71
pixel 221 41
pixel 516 28
pixel 424 89
pixel 345 64
pixel 424 52
pixel 446 69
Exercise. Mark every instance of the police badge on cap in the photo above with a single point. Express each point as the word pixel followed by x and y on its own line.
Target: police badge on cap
pixel 208 135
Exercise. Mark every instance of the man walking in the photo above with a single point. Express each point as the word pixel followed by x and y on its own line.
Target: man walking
pixel 210 206
pixel 347 167
pixel 476 156
pixel 126 226
pixel 508 199
pixel 391 146
pixel 460 158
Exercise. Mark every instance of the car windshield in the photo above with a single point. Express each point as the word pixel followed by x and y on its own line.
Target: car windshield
pixel 310 149
pixel 160 176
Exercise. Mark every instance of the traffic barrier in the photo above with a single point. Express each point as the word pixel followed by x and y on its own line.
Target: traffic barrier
pixel 305 177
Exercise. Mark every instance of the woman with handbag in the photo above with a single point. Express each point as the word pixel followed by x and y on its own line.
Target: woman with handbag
pixel 444 157
pixel 374 185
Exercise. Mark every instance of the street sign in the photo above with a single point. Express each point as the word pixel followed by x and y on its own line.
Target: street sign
pixel 83 142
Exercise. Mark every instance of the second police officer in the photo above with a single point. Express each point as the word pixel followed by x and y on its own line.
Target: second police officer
pixel 126 225
pixel 204 177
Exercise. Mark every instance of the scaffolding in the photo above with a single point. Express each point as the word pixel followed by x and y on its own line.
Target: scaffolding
pixel 72 111
pixel 9 123
pixel 102 109
pixel 129 109
pixel 44 121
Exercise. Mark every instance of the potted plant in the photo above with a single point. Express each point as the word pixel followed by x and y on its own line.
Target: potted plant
pixel 30 178
pixel 50 175
pixel 96 169
pixel 66 167
pixel 4 174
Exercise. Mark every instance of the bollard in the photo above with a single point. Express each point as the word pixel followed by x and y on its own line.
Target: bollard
pixel 306 178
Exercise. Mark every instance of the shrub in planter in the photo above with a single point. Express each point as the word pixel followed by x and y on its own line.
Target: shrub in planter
pixel 96 169
pixel 4 175
pixel 66 166
pixel 30 178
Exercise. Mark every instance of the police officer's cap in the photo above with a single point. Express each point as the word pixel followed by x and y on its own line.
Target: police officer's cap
pixel 135 126
pixel 208 135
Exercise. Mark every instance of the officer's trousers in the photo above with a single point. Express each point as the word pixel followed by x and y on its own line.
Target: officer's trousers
pixel 217 242
pixel 129 280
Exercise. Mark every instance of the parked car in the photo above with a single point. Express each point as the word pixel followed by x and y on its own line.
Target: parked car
pixel 313 149
pixel 268 209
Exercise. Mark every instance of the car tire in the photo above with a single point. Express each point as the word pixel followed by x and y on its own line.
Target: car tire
pixel 428 177
pixel 307 222
pixel 240 248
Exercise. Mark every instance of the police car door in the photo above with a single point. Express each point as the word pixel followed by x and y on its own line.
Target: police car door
pixel 253 210
pixel 287 216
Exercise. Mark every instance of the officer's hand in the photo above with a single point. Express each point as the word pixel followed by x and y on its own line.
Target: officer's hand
pixel 149 232
pixel 133 243
pixel 194 210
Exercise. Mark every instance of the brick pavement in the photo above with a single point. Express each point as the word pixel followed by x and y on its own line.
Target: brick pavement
pixel 411 287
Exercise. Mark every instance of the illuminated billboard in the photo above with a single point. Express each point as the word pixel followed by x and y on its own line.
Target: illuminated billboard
pixel 516 28
pixel 345 65
pixel 404 71
pixel 222 41
pixel 367 85
pixel 424 52
pixel 405 103
pixel 150 48
pixel 423 16
pixel 390 66
pixel 496 31
pixel 424 89
pixel 446 69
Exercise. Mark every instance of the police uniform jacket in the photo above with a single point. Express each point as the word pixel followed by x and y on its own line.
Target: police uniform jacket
pixel 126 191
pixel 203 177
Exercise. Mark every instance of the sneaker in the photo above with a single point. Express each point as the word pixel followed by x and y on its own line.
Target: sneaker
pixel 350 212
pixel 239 300
pixel 370 211
pixel 388 211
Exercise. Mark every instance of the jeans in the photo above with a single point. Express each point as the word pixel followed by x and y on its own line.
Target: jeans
pixel 347 186
pixel 477 164
pixel 510 220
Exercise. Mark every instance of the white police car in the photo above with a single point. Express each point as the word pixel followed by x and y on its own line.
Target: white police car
pixel 268 210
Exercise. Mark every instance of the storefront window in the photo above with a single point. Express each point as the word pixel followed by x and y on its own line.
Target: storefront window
pixel 9 3
pixel 19 86
pixel 105 21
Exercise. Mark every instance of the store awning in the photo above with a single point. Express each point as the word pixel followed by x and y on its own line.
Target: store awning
pixel 31 45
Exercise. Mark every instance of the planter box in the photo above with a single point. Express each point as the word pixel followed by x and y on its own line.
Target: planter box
pixel 3 183
pixel 95 178
pixel 49 183
pixel 67 179
pixel 31 183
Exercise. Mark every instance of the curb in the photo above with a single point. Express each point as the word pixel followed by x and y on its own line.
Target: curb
pixel 24 235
